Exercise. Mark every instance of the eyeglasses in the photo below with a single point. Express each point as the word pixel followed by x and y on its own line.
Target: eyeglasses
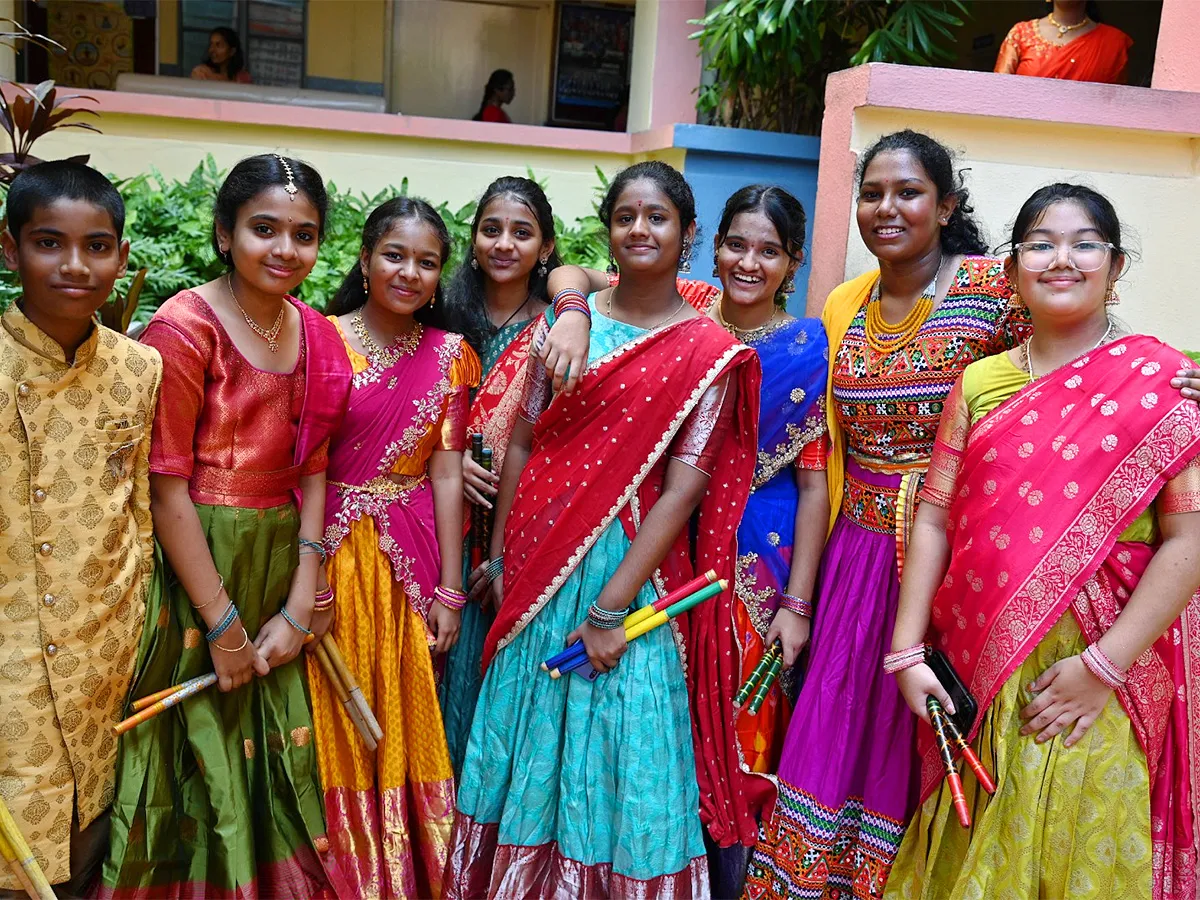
pixel 1085 256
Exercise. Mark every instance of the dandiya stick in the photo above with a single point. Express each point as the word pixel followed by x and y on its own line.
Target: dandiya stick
pixel 764 686
pixel 14 865
pixel 937 718
pixel 28 872
pixel 356 694
pixel 649 624
pixel 756 676
pixel 981 774
pixel 150 699
pixel 339 688
pixel 637 616
pixel 188 689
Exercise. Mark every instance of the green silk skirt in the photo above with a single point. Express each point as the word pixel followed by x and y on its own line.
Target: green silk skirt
pixel 219 796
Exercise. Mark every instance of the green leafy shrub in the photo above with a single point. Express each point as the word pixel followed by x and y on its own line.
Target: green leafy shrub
pixel 168 224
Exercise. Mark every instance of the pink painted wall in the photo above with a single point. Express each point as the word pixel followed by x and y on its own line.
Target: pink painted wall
pixel 1177 55
pixel 676 63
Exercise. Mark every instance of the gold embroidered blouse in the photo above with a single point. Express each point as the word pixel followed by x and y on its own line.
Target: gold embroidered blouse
pixel 76 544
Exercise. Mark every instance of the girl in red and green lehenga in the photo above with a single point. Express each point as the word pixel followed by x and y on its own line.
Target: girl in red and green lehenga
pixel 1054 561
pixel 219 796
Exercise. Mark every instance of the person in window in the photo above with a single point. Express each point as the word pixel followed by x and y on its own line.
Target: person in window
pixel 500 89
pixel 225 60
pixel 1068 43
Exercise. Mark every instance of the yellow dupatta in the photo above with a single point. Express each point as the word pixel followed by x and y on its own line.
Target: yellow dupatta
pixel 841 307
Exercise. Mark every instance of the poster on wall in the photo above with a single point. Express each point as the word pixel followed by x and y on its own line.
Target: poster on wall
pixel 275 49
pixel 99 42
pixel 593 52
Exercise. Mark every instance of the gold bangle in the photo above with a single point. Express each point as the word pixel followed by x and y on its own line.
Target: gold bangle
pixel 238 649
pixel 216 596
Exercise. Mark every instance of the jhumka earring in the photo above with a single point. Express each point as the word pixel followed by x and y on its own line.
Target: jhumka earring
pixel 789 285
pixel 685 258
pixel 474 262
pixel 366 285
pixel 612 264
pixel 716 268
pixel 542 270
pixel 1111 298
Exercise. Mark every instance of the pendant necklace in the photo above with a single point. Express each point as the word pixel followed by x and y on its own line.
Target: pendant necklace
pixel 271 335
pixel 385 357
pixel 1064 30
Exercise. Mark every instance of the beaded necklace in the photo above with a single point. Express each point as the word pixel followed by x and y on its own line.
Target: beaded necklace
pixel 882 336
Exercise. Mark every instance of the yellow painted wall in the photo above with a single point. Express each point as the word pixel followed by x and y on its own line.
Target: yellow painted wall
pixel 345 39
pixel 1152 179
pixel 168 32
pixel 439 170
pixel 8 60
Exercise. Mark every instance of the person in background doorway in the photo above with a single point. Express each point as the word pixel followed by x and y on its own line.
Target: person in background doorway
pixel 1068 42
pixel 225 60
pixel 500 89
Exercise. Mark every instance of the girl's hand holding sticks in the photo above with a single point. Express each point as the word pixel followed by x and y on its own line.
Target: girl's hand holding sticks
pixel 479 485
pixel 604 647
pixel 917 684
pixel 444 623
pixel 279 641
pixel 236 660
pixel 792 631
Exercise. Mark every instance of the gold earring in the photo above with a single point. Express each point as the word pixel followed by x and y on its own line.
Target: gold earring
pixel 1111 298
pixel 366 285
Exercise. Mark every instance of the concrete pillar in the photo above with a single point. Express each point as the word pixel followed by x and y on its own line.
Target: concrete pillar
pixel 666 65
pixel 1178 47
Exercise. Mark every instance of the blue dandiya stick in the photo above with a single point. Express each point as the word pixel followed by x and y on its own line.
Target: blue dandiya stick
pixel 649 624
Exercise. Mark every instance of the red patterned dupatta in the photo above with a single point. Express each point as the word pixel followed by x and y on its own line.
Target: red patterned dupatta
pixel 1047 484
pixel 498 400
pixel 600 454
pixel 390 413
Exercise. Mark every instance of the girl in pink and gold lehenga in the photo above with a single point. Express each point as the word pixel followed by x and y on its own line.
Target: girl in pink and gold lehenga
pixel 393 529
pixel 1054 561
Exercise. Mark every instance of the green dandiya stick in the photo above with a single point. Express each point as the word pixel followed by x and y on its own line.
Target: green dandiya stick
pixel 765 685
pixel 756 676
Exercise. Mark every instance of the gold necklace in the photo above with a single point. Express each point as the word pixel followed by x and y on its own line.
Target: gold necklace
pixel 384 358
pixel 673 314
pixel 271 335
pixel 1064 30
pixel 882 336
pixel 1029 356
pixel 746 335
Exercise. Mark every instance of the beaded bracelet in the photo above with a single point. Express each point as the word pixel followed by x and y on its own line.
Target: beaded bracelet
pixel 1102 667
pixel 287 617
pixel 313 547
pixel 216 594
pixel 606 619
pixel 450 597
pixel 227 618
pixel 900 660
pixel 495 568
pixel 798 605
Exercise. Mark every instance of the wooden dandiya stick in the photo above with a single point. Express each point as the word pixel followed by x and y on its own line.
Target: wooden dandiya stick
pixel 649 624
pixel 356 694
pixel 188 689
pixel 14 865
pixel 150 699
pixel 21 861
pixel 636 616
pixel 764 686
pixel 339 688
pixel 938 720
pixel 981 774
pixel 756 675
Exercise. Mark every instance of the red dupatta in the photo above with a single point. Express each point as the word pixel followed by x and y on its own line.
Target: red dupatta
pixel 1045 487
pixel 600 454
pixel 498 400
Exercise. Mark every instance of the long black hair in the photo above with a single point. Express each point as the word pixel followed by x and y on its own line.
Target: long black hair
pixel 255 174
pixel 351 295
pixel 962 233
pixel 1096 207
pixel 465 310
pixel 496 80
pixel 237 59
pixel 783 211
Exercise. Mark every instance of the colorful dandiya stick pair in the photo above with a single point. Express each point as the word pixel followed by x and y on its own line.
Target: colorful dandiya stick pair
pixel 946 733
pixel 575 656
pixel 638 615
pixel 150 706
pixel 19 858
pixel 758 685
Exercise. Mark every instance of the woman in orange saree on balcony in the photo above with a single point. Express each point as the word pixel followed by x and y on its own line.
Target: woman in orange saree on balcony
pixel 1066 44
pixel 393 531
pixel 1054 561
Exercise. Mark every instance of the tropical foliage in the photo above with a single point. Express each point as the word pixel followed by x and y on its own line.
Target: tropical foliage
pixel 770 58
pixel 169 226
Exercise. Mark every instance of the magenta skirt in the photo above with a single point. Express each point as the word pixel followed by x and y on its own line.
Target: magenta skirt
pixel 848 780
